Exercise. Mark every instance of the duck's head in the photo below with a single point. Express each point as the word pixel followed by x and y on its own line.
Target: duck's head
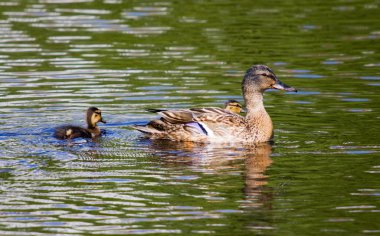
pixel 233 106
pixel 93 116
pixel 259 78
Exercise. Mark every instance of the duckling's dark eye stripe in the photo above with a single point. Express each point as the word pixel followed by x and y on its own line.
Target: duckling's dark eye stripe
pixel 235 105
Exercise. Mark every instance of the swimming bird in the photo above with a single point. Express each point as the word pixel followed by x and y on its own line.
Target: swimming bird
pixel 93 116
pixel 233 106
pixel 217 124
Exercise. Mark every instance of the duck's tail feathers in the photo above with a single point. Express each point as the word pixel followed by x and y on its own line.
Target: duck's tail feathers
pixel 154 110
pixel 146 129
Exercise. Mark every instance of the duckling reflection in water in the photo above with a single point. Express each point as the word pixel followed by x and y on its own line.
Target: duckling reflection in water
pixel 93 117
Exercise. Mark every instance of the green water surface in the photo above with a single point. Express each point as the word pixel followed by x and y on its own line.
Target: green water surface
pixel 58 57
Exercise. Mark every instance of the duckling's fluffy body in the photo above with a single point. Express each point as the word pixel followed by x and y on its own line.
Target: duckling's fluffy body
pixel 71 132
pixel 93 116
pixel 233 106
pixel 220 125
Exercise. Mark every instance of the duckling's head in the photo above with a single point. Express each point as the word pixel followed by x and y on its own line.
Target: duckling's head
pixel 259 78
pixel 233 106
pixel 93 116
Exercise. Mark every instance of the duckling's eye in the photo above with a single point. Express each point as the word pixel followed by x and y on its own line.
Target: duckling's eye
pixel 235 105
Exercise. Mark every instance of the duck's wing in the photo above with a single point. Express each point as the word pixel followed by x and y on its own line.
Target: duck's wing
pixel 184 116
pixel 173 124
pixel 177 116
pixel 219 125
pixel 195 124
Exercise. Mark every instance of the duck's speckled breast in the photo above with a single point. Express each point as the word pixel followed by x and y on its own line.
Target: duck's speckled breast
pixel 259 127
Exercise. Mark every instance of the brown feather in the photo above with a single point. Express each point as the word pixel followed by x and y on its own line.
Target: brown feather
pixel 177 117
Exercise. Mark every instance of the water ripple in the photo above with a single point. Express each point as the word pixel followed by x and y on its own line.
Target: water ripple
pixel 58 58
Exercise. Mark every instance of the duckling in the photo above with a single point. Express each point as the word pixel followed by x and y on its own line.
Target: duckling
pixel 233 106
pixel 218 125
pixel 93 116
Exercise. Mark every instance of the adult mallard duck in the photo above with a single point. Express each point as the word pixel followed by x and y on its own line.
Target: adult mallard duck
pixel 93 116
pixel 220 125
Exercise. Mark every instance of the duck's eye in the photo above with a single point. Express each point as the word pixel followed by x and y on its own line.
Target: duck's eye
pixel 271 76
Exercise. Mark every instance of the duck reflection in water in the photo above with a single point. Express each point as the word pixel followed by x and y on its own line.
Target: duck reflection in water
pixel 251 160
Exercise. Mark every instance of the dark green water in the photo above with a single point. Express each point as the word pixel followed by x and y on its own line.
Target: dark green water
pixel 58 57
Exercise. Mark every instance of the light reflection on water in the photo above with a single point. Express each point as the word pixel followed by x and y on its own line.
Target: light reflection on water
pixel 87 186
pixel 59 58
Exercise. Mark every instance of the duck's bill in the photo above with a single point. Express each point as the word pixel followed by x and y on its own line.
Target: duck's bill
pixel 281 86
pixel 103 121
